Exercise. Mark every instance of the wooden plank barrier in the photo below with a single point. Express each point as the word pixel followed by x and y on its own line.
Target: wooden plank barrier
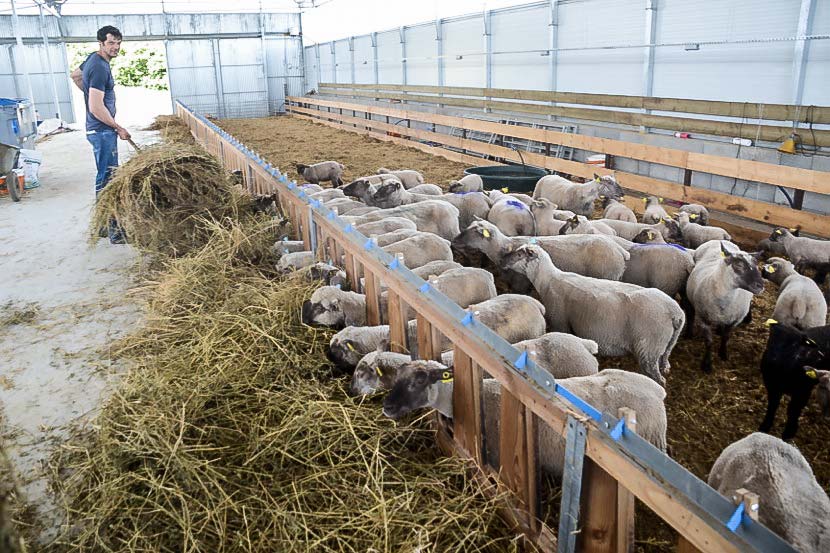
pixel 620 464
pixel 799 179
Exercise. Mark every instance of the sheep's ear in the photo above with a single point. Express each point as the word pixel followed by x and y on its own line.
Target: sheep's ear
pixel 538 203
pixel 484 232
pixel 602 196
pixel 692 215
pixel 770 322
pixel 795 231
pixel 724 252
pixel 505 190
pixel 660 200
pixel 597 177
pixel 645 200
pixel 650 235
pixel 477 218
pixel 757 255
pixel 770 268
pixel 349 345
pixel 778 231
pixel 575 219
pixel 810 372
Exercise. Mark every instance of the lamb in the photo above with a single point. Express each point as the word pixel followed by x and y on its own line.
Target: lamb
pixel 648 236
pixel 644 322
pixel 434 216
pixel 393 194
pixel 547 216
pixel 697 213
pixel 512 217
pixel 430 189
pixel 423 384
pixel 805 253
pixel 329 274
pixel 661 266
pixel 575 197
pixel 788 367
pixel 408 177
pixel 695 235
pixel 597 256
pixel 654 212
pixel 295 260
pixel 668 228
pixel 471 205
pixel 720 289
pixel 793 504
pixel 800 301
pixel 378 370
pixel 468 183
pixel 348 346
pixel 616 210
pixel 581 225
pixel 321 172
pixel 387 224
pixel 421 249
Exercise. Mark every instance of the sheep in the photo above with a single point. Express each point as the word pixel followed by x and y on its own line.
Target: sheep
pixel 394 236
pixel 421 249
pixel 768 248
pixel 393 194
pixel 344 205
pixel 408 177
pixel 329 274
pixel 695 235
pixel 295 260
pixel 422 384
pixel 468 183
pixel 800 301
pixel 697 213
pixel 385 225
pixel 547 216
pixel 720 289
pixel 430 189
pixel 661 266
pixel 378 370
pixel 620 317
pixel 320 172
pixel 793 504
pixel 436 268
pixel 804 252
pixel 470 205
pixel 348 346
pixel 434 216
pixel 669 228
pixel 328 194
pixel 512 217
pixel 285 246
pixel 590 255
pixel 575 197
pixel 654 212
pixel 311 188
pixel 788 367
pixel 360 211
pixel 579 224
pixel 562 355
pixel 616 210
pixel 648 236
pixel 496 195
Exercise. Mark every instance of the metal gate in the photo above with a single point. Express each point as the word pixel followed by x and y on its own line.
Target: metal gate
pixel 36 59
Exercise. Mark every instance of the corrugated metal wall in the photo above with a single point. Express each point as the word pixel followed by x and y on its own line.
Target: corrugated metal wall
pixel 34 58
pixel 745 50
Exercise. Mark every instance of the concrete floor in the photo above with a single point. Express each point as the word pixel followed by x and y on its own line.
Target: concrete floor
pixel 56 369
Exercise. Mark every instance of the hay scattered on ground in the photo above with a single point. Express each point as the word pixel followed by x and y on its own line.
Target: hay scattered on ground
pixel 163 195
pixel 172 129
pixel 11 314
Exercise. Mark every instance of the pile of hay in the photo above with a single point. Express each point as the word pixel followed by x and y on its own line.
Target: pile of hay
pixel 162 196
pixel 229 433
pixel 172 129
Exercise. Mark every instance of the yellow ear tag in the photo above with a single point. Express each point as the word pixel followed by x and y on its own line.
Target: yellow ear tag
pixel 660 200
pixel 596 179
pixel 350 346
pixel 770 268
pixel 778 231
pixel 485 233
pixel 661 220
pixel 645 200
pixel 601 197
pixel 650 235
pixel 722 254
pixel 378 371
pixel 811 374
pixel 793 229
pixel 446 376
pixel 692 216
pixel 505 190
pixel 770 322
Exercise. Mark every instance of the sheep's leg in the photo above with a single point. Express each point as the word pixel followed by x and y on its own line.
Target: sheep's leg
pixel 650 367
pixel 690 319
pixel 773 401
pixel 706 362
pixel 723 352
pixel 797 403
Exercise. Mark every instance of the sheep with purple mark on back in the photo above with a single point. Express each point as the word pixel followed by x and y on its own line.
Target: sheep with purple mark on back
pixel 512 217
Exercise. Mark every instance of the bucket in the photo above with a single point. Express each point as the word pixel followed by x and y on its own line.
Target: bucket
pixel 597 160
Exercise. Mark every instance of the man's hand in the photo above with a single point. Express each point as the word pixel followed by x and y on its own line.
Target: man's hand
pixel 123 133
pixel 77 77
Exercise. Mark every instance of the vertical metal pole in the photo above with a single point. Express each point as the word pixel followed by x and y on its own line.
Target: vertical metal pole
pixel 439 49
pixel 332 49
pixel 375 68
pixel 19 37
pixel 571 486
pixel 553 45
pixel 49 65
pixel 302 53
pixel 488 49
pixel 402 32
pixel 319 67
pixel 217 71
pixel 351 54
pixel 648 61
pixel 312 226
pixel 805 22
pixel 265 60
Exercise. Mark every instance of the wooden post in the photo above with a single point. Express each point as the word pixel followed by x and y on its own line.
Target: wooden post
pixel 798 199
pixel 466 405
pixel 429 340
pixel 687 177
pixel 517 453
pixel 625 499
pixel 372 300
pixel 306 222
pixel 397 323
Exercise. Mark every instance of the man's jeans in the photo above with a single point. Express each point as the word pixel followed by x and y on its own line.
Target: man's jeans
pixel 105 149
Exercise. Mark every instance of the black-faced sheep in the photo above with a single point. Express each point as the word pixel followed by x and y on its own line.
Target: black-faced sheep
pixel 330 171
pixel 792 504
pixel 579 224
pixel 621 318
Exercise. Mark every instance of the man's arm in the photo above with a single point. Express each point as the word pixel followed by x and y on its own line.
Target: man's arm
pixel 77 77
pixel 102 114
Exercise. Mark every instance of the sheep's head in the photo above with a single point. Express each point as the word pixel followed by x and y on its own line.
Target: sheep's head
pixel 415 387
pixel 608 186
pixel 388 195
pixel 324 308
pixel 672 233
pixel 780 232
pixel 301 168
pixel 822 389
pixel 570 226
pixel 329 274
pixel 357 188
pixel 648 236
pixel 526 257
pixel 775 268
pixel 367 375
pixel 344 353
pixel 455 186
pixel 481 236
pixel 745 268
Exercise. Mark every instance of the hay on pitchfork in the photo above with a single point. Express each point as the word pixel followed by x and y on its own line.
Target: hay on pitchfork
pixel 162 196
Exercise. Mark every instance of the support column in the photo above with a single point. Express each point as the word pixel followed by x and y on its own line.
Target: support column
pixel 439 49
pixel 319 67
pixel 333 62
pixel 265 62
pixel 805 22
pixel 351 55
pixel 553 25
pixel 488 50
pixel 648 61
pixel 49 65
pixel 402 33
pixel 19 38
pixel 375 69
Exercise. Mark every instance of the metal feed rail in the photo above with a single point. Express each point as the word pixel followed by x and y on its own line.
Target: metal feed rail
pixel 607 464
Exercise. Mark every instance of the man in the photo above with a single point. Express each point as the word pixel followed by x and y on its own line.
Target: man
pixel 94 77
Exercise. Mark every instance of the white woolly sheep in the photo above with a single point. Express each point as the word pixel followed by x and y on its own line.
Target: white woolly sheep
pixel 805 253
pixel 468 183
pixel 616 210
pixel 328 194
pixel 429 189
pixel 436 216
pixel 663 266
pixel 349 345
pixel 580 224
pixel 512 217
pixel 792 503
pixel 697 213
pixel 576 197
pixel 470 205
pixel 393 236
pixel 321 172
pixel 562 355
pixel 421 249
pixel 496 195
pixel 668 228
pixel 408 177
pixel 654 212
pixel 621 318
pixel 547 217
pixel 387 224
pixel 295 260
pixel 695 235
pixel 800 301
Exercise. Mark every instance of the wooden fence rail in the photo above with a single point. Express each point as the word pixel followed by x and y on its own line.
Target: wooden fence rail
pixel 608 468
pixel 482 98
pixel 800 180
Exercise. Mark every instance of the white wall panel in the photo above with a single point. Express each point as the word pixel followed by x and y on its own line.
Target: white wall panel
pixel 421 55
pixel 389 57
pixel 516 30
pixel 311 68
pixel 817 74
pixel 464 38
pixel 343 61
pixel 364 72
pixel 326 63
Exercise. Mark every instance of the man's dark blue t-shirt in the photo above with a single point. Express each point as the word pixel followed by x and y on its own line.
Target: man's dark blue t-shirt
pixel 97 74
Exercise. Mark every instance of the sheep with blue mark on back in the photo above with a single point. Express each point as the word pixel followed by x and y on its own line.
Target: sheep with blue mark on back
pixel 512 217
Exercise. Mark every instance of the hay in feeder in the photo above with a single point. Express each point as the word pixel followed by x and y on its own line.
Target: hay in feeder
pixel 229 433
pixel 172 129
pixel 162 196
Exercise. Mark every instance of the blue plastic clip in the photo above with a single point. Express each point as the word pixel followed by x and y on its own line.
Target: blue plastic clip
pixel 736 518
pixel 468 319
pixel 618 430
pixel 330 262
pixel 303 195
pixel 532 241
pixel 330 216
pixel 285 239
pixel 283 178
pixel 395 263
pixel 521 362
pixel 424 287
pixel 349 228
pixel 291 185
pixel 338 286
pixel 368 245
pixel 293 182
pixel 579 403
